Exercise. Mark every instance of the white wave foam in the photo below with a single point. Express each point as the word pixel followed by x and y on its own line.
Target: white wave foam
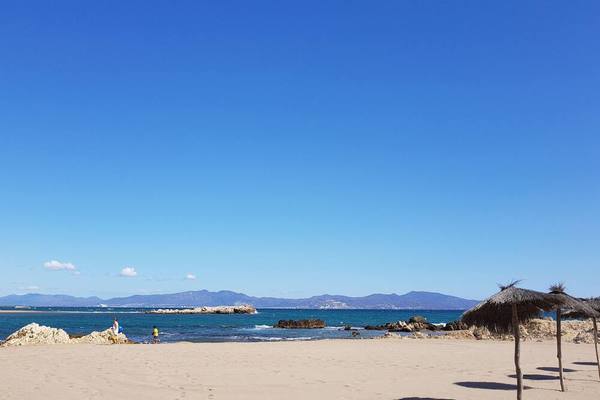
pixel 266 338
pixel 341 328
pixel 278 339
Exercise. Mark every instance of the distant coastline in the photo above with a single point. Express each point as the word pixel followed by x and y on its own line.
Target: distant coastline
pixel 415 300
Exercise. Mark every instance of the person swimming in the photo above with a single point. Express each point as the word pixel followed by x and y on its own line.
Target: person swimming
pixel 155 338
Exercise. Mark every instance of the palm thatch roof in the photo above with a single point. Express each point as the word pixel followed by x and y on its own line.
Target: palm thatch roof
pixel 594 303
pixel 495 313
pixel 587 308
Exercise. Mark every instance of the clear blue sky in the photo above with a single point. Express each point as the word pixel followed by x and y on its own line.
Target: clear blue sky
pixel 291 149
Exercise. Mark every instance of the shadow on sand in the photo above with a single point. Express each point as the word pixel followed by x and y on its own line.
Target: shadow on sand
pixel 489 385
pixel 555 369
pixel 536 377
pixel 585 363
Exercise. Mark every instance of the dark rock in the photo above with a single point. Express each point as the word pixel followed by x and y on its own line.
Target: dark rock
pixel 417 319
pixel 455 326
pixel 424 326
pixel 375 328
pixel 76 335
pixel 301 324
pixel 402 326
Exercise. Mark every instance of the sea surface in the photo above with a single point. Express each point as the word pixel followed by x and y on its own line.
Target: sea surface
pixel 137 325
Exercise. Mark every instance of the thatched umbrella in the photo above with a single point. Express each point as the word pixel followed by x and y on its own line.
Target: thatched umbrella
pixel 567 303
pixel 504 312
pixel 595 305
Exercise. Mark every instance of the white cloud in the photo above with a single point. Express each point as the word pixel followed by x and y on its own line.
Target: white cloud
pixel 28 288
pixel 128 272
pixel 55 265
pixel 190 277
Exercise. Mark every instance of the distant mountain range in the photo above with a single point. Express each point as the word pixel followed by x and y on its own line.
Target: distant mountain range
pixel 410 300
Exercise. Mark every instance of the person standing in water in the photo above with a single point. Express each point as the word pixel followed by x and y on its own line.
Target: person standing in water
pixel 155 338
pixel 115 326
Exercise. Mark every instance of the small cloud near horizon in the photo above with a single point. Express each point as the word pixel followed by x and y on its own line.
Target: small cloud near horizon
pixel 128 272
pixel 190 277
pixel 29 288
pixel 55 265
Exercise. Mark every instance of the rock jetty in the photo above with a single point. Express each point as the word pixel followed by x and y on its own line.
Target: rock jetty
pixel 242 309
pixel 34 334
pixel 300 324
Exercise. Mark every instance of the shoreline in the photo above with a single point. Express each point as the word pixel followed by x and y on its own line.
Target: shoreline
pixel 538 329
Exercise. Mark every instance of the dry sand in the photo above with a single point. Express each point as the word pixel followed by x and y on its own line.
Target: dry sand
pixel 331 369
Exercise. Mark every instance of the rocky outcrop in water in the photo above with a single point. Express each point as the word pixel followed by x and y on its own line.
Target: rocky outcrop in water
pixel 34 334
pixel 242 309
pixel 414 324
pixel 104 337
pixel 455 326
pixel 300 324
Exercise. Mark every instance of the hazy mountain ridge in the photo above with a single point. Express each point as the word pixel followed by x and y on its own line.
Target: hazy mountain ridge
pixel 49 300
pixel 410 300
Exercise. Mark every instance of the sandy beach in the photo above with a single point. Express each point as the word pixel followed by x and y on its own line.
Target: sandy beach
pixel 329 369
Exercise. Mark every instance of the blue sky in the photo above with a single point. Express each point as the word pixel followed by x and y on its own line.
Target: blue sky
pixel 293 149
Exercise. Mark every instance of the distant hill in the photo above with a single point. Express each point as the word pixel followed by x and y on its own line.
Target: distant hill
pixel 49 300
pixel 410 300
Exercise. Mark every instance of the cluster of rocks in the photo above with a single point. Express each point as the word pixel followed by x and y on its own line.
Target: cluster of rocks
pixel 34 334
pixel 300 324
pixel 241 309
pixel 455 326
pixel 536 329
pixel 414 324
pixel 104 337
pixel 576 331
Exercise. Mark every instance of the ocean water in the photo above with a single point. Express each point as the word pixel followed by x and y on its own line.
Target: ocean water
pixel 215 327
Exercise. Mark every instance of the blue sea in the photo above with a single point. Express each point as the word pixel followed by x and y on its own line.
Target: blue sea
pixel 137 325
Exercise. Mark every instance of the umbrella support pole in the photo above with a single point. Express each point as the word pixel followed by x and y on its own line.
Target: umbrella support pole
pixel 596 344
pixel 517 334
pixel 559 347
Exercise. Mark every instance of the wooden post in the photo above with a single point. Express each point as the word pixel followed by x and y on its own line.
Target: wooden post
pixel 517 335
pixel 559 347
pixel 596 344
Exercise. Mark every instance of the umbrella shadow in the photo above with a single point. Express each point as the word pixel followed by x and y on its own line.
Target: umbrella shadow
pixel 585 363
pixel 555 369
pixel 536 377
pixel 489 385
